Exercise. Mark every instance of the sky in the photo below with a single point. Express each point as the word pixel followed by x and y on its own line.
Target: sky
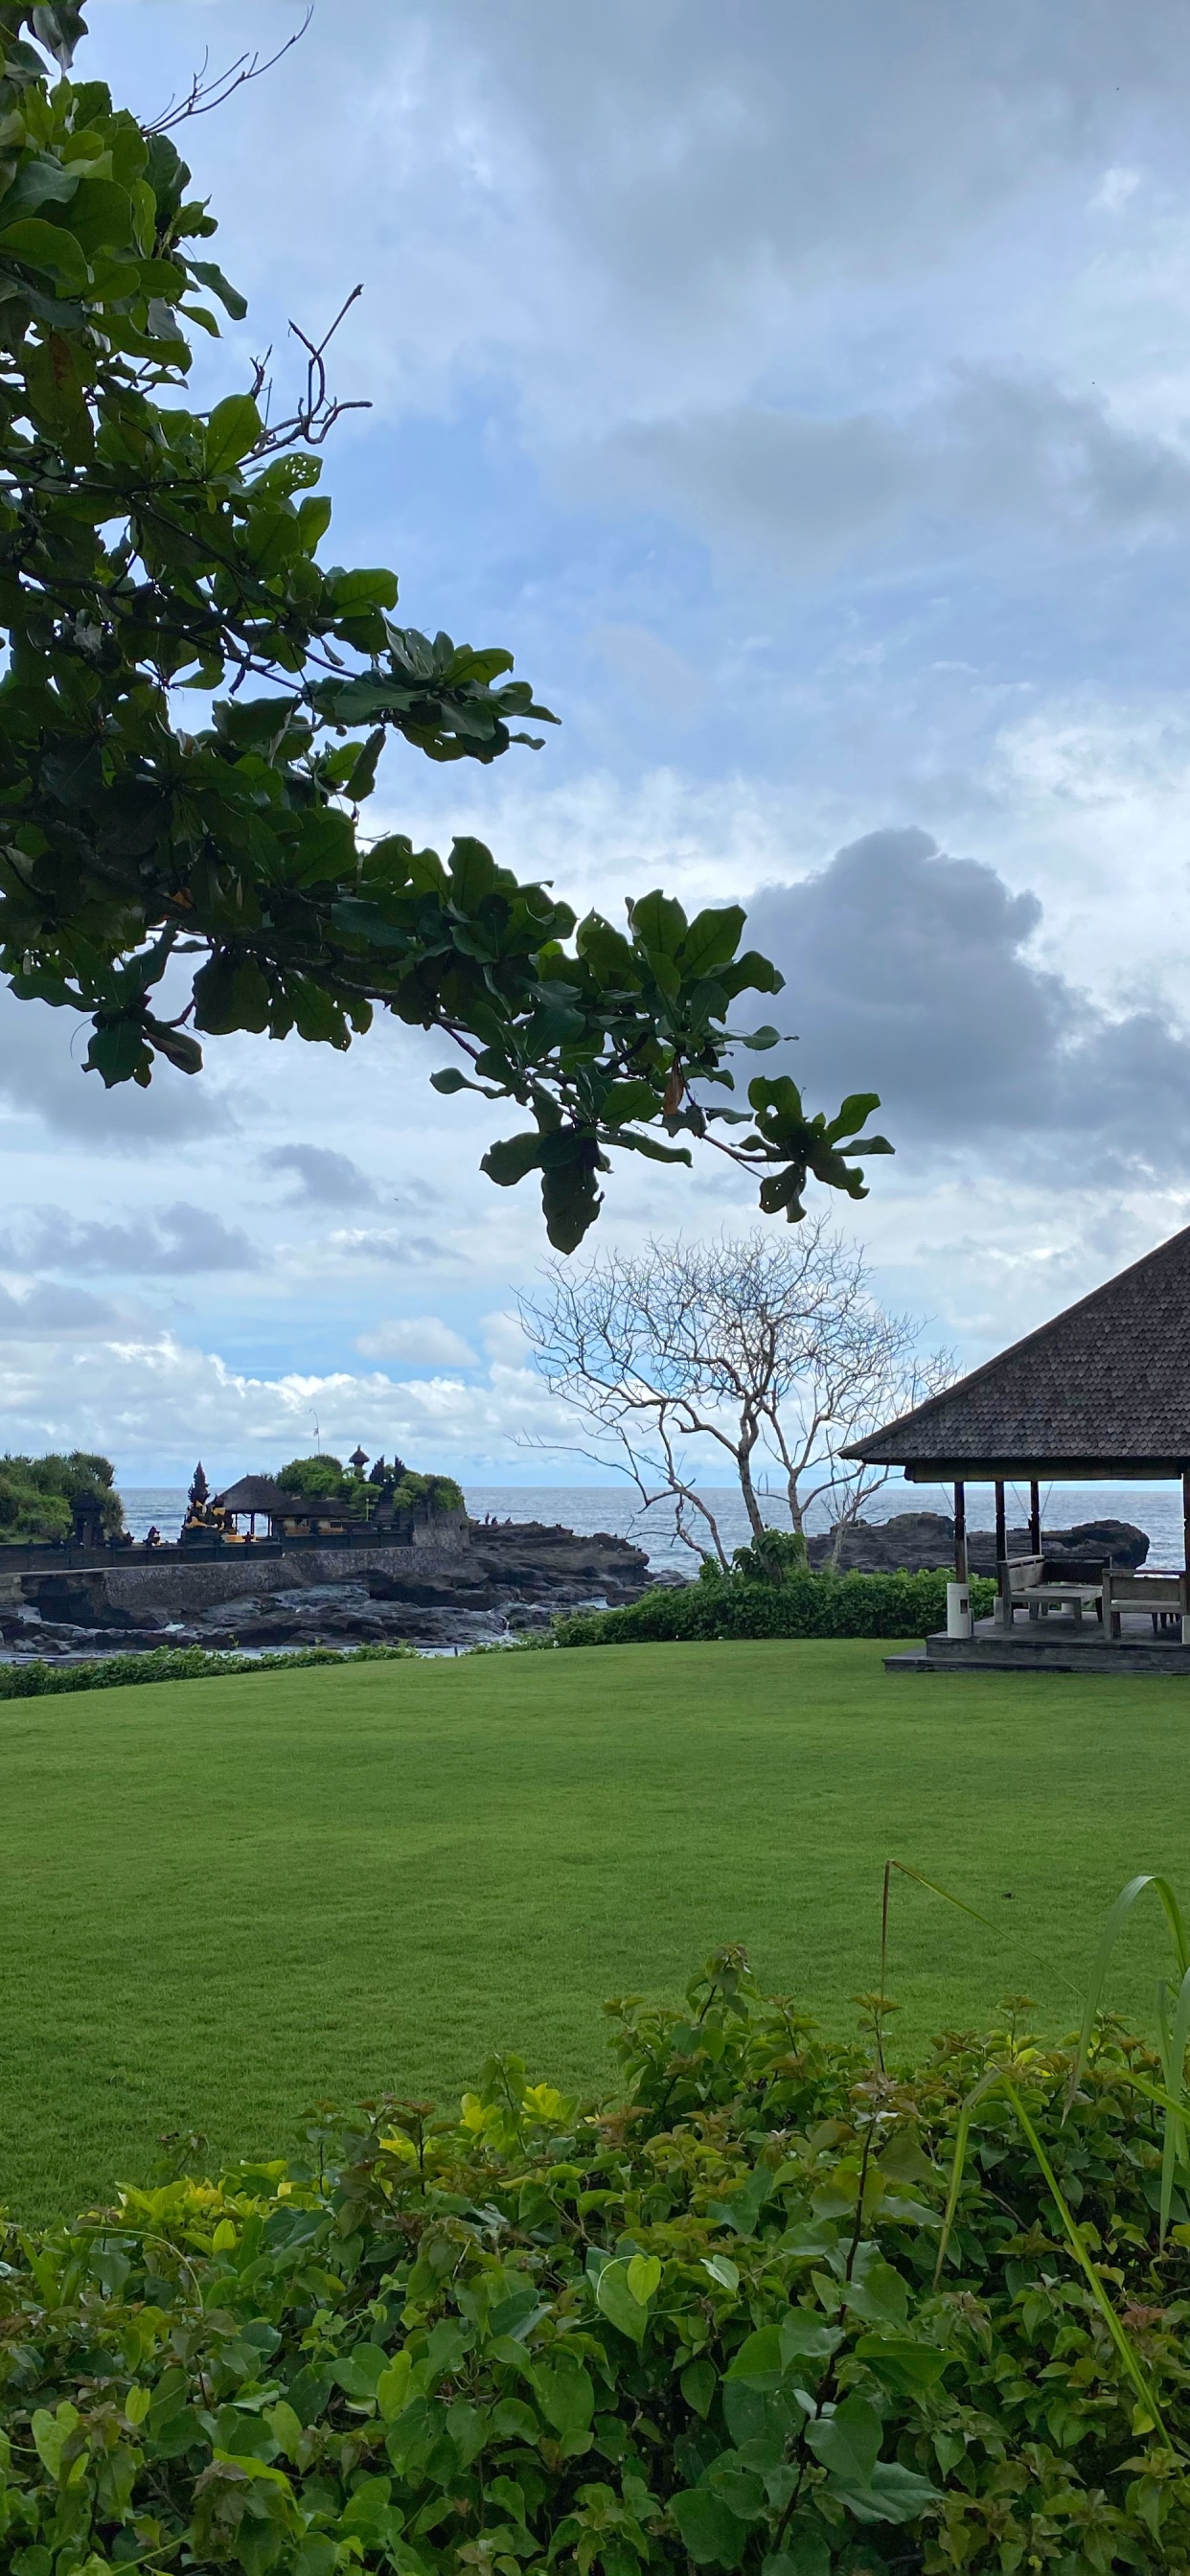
pixel 803 396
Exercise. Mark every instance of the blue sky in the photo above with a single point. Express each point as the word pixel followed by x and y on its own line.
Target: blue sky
pixel 804 397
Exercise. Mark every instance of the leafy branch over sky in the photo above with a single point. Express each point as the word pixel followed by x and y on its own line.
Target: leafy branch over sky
pixel 147 549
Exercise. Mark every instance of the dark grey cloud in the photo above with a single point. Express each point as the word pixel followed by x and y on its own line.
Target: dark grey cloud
pixel 51 1312
pixel 698 149
pixel 805 490
pixel 322 1177
pixel 41 1076
pixel 909 973
pixel 387 1244
pixel 178 1243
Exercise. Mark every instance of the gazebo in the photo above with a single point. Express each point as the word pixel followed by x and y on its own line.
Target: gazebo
pixel 1102 1392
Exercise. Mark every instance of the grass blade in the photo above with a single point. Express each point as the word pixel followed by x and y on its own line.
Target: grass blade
pixel 986 2084
pixel 1121 2341
pixel 1173 2145
pixel 935 1890
pixel 1111 1932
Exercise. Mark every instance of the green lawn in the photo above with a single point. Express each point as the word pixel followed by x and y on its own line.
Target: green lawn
pixel 221 1900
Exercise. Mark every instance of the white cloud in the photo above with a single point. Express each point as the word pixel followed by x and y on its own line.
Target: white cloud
pixel 419 1341
pixel 157 1403
pixel 1115 188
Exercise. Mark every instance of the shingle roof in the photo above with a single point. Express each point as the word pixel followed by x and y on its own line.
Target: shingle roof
pixel 1104 1389
pixel 256 1494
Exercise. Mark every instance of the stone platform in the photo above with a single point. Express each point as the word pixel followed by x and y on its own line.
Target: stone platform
pixel 1055 1644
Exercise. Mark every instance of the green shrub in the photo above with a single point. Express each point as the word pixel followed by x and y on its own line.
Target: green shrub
pixel 427 1493
pixel 38 1680
pixel 321 1479
pixel 801 1605
pixel 38 1495
pixel 699 2325
pixel 769 1558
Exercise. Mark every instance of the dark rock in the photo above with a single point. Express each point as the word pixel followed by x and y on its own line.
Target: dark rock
pixel 543 1558
pixel 918 1542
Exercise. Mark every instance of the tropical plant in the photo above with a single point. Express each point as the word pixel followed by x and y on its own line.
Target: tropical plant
pixel 730 2318
pixel 39 1496
pixel 320 1479
pixel 798 1604
pixel 164 878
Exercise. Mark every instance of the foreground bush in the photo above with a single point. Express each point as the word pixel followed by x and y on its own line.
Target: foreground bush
pixel 695 2326
pixel 802 1605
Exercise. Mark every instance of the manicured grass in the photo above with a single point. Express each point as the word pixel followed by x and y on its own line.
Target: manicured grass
pixel 221 1900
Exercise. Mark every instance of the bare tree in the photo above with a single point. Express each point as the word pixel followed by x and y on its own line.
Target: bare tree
pixel 773 1350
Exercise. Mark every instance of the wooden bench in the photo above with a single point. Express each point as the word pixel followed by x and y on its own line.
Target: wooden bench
pixel 1166 1597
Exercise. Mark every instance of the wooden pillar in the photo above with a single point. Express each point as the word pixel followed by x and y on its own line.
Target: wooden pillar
pixel 1034 1518
pixel 1186 1522
pixel 960 1533
pixel 1001 1523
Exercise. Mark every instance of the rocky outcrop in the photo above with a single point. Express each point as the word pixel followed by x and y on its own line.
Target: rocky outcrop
pixel 917 1542
pixel 512 1577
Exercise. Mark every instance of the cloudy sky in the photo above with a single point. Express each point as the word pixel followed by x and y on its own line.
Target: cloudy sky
pixel 804 396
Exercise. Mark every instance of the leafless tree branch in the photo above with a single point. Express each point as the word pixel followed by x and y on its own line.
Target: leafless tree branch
pixel 776 1352
pixel 204 94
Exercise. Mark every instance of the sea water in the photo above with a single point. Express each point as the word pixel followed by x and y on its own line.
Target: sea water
pixel 617 1510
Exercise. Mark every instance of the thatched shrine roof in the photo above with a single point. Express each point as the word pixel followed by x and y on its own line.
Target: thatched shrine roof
pixel 1102 1391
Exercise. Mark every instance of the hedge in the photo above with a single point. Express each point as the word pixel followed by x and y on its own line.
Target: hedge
pixel 38 1680
pixel 804 1605
pixel 717 2321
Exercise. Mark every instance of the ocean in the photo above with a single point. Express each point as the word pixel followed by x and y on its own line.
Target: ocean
pixel 587 1508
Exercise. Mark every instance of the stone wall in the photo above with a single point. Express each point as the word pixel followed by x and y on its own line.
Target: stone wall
pixel 120 1591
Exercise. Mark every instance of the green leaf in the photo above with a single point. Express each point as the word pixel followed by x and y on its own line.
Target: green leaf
pixel 352 591
pixel 805 2337
pixel 287 2428
pixel 51 2434
pixel 326 847
pixel 855 1109
pixel 511 1158
pixel 214 280
pixel 615 2298
pixel 571 1201
pixel 711 940
pixel 49 248
pixel 231 993
pixel 876 2292
pixel 449 1080
pixel 894 2495
pixel 711 2534
pixel 699 2381
pixel 394 2388
pixel 806 2553
pixel 360 2373
pixel 57 399
pixel 624 1100
pixel 644 2274
pixel 118 1053
pixel 759 2356
pixel 567 2398
pixel 847 2442
pixel 60 29
pixel 902 2365
pixel 651 1147
pixel 231 433
pixel 472 874
pixel 659 923
pixel 722 2270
